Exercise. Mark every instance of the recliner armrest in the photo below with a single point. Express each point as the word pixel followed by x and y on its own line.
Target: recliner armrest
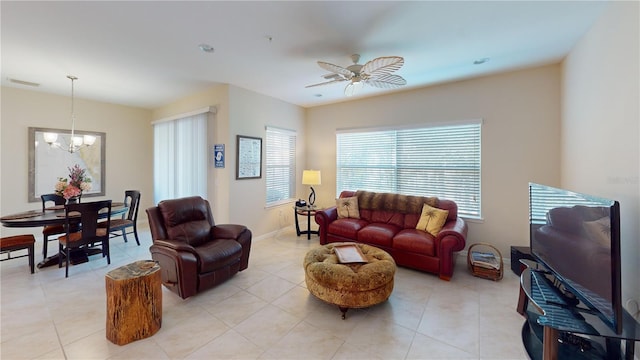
pixel 227 231
pixel 175 245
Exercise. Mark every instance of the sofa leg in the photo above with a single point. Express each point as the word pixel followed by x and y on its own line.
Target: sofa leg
pixel 445 278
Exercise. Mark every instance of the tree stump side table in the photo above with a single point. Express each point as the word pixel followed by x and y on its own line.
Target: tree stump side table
pixel 134 302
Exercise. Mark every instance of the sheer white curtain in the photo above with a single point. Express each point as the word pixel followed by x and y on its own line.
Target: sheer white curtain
pixel 180 157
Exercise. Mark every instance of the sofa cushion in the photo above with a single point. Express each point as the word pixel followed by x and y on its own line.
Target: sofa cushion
pixel 387 217
pixel 411 220
pixel 346 227
pixel 432 219
pixel 378 234
pixel 218 254
pixel 415 241
pixel 348 208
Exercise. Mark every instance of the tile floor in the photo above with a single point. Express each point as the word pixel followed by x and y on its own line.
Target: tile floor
pixel 264 312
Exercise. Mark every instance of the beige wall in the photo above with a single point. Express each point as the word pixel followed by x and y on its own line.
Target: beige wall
pixel 128 147
pixel 600 125
pixel 520 139
pixel 243 112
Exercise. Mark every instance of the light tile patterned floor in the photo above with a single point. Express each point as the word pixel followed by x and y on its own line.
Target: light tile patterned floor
pixel 264 312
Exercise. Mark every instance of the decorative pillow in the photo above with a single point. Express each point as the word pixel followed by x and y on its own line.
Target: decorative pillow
pixel 348 208
pixel 599 230
pixel 432 219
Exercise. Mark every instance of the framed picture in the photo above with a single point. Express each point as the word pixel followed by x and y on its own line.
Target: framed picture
pixel 50 161
pixel 249 157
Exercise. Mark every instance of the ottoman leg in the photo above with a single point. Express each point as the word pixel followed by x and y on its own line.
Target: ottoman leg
pixel 344 312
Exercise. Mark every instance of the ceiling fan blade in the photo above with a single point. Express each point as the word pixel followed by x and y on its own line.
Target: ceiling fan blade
pixel 336 69
pixel 382 65
pixel 326 83
pixel 387 81
pixel 332 76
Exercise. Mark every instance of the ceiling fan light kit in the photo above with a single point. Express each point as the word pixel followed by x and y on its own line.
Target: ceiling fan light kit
pixel 376 72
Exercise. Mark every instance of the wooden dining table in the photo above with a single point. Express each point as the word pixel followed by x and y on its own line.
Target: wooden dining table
pixel 54 215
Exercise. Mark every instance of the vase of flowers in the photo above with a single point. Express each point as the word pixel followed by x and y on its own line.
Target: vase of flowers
pixel 72 188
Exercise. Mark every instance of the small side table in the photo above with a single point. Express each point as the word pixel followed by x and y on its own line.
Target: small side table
pixel 134 301
pixel 308 211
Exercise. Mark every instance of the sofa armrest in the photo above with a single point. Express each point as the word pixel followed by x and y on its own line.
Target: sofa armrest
pixel 323 219
pixel 451 238
pixel 456 229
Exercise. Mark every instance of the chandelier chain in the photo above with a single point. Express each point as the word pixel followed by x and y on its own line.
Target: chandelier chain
pixel 73 114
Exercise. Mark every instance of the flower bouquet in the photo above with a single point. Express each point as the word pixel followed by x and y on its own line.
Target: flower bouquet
pixel 77 183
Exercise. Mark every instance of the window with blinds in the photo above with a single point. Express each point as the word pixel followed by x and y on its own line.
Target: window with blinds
pixel 442 161
pixel 280 165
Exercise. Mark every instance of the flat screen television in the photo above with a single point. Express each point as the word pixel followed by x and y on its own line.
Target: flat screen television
pixel 577 238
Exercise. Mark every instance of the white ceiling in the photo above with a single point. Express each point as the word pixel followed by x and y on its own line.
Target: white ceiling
pixel 146 54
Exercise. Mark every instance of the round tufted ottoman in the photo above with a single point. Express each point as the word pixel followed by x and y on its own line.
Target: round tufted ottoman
pixel 351 285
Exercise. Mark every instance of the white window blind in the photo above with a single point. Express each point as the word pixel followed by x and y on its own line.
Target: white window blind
pixel 180 158
pixel 442 161
pixel 280 165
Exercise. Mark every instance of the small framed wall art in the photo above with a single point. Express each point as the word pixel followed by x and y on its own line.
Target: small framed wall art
pixel 249 157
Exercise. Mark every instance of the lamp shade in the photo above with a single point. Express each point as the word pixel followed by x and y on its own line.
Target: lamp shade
pixel 311 177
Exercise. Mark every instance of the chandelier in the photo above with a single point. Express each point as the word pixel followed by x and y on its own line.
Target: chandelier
pixel 75 143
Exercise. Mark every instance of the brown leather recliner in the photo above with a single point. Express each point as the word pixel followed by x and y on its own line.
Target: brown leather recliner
pixel 193 252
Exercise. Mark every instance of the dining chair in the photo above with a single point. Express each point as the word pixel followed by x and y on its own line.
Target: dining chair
pixel 129 220
pixel 48 202
pixel 89 234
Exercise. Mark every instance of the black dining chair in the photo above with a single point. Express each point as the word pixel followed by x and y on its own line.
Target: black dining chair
pixel 129 220
pixel 49 201
pixel 90 234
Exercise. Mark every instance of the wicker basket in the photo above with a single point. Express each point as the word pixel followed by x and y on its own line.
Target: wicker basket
pixel 482 270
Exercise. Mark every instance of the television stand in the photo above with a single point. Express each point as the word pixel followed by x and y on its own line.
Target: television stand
pixel 555 328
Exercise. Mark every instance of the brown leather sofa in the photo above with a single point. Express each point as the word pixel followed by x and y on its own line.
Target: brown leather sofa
pixel 193 252
pixel 388 221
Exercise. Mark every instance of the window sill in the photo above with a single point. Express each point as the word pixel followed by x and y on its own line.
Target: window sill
pixel 473 220
pixel 279 203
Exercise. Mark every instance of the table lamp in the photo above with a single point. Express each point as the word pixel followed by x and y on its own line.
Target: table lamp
pixel 311 177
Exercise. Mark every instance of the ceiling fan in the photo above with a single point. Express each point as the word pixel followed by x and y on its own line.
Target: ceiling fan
pixel 376 72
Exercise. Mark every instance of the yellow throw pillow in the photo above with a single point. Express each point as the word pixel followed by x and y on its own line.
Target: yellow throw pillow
pixel 432 219
pixel 348 208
